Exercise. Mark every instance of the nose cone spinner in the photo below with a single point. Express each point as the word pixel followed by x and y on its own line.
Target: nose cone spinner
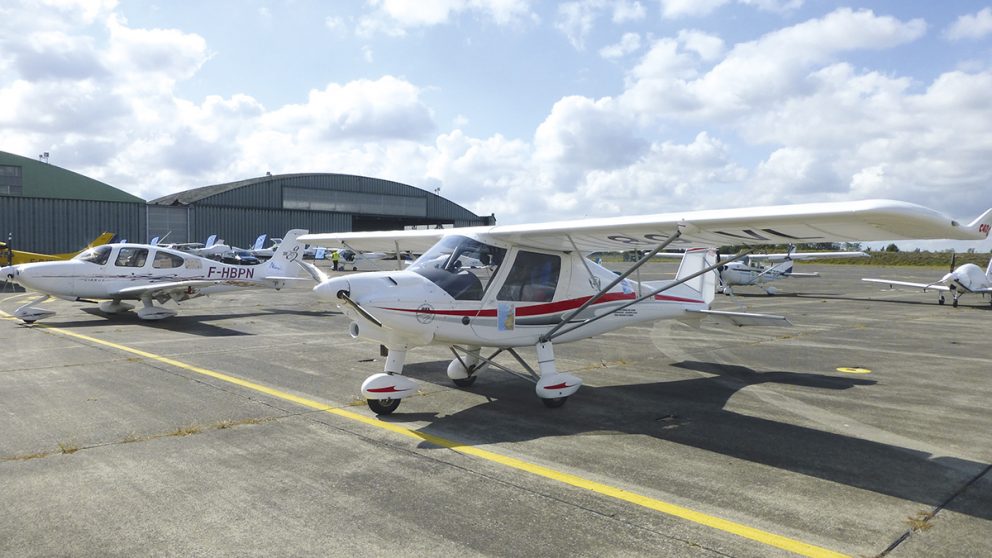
pixel 330 288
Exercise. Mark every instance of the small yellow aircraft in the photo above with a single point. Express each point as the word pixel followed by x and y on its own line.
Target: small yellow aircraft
pixel 9 256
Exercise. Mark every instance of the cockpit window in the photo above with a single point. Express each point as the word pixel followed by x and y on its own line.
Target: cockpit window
pixel 165 260
pixel 131 257
pixel 461 266
pixel 532 278
pixel 98 255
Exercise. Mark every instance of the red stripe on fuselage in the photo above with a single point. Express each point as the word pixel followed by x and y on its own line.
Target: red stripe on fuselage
pixel 549 308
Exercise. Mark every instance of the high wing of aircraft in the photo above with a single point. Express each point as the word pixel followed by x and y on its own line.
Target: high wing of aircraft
pixel 966 278
pixel 113 273
pixel 535 287
pixel 9 256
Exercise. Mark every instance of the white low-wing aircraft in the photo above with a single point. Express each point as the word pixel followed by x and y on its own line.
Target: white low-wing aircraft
pixel 536 287
pixel 114 273
pixel 966 278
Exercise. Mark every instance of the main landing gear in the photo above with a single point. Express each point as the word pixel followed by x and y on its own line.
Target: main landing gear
pixel 384 391
pixel 955 295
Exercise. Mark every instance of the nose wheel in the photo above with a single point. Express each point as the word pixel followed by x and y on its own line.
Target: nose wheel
pixel 383 406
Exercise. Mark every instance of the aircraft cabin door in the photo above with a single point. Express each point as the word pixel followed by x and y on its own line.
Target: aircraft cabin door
pixel 521 304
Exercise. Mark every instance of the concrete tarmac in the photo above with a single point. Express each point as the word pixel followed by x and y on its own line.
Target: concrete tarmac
pixel 237 429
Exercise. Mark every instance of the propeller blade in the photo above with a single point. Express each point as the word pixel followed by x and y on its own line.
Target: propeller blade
pixel 954 257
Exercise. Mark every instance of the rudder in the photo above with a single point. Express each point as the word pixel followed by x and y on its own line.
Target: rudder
pixel 694 261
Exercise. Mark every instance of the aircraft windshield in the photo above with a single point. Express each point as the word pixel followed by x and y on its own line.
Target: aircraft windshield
pixel 461 266
pixel 98 255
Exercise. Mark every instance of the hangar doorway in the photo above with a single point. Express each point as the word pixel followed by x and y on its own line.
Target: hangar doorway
pixel 365 223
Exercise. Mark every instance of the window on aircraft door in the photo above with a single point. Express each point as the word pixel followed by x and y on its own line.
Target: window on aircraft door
pixel 98 255
pixel 165 260
pixel 533 278
pixel 131 257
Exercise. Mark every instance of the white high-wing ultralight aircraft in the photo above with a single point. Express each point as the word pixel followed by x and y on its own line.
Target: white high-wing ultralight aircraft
pixel 966 278
pixel 752 271
pixel 114 273
pixel 538 289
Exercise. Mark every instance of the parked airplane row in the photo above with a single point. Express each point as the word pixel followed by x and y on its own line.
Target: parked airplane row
pixel 503 287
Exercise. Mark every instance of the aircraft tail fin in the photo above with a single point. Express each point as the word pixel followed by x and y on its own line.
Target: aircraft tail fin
pixel 983 224
pixel 259 242
pixel 104 238
pixel 694 261
pixel 290 250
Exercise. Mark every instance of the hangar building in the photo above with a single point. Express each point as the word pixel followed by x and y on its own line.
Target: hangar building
pixel 45 208
pixel 239 211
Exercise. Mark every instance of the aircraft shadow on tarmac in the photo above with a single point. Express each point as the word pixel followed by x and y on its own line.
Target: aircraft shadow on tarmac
pixel 691 412
pixel 189 324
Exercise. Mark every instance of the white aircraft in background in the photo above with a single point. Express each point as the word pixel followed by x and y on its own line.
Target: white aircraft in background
pixel 967 278
pixel 212 247
pixel 752 271
pixel 114 273
pixel 262 252
pixel 538 289
pixel 354 257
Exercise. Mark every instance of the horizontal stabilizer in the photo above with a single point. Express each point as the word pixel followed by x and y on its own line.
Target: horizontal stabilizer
pixel 745 318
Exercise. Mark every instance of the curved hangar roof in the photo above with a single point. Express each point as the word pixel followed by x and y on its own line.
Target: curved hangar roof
pixel 339 193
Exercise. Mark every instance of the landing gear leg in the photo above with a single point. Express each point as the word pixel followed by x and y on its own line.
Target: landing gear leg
pixel 383 392
pixel 554 387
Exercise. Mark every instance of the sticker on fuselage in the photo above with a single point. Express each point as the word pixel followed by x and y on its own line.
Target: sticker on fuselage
pixel 506 316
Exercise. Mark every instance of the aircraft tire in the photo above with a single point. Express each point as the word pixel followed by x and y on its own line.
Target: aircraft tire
pixel 383 406
pixel 940 301
pixel 954 304
pixel 464 382
pixel 554 402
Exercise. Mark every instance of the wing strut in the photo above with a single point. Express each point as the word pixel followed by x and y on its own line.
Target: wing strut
pixel 565 319
pixel 555 331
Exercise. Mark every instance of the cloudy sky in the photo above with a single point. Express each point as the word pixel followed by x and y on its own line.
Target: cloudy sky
pixel 529 110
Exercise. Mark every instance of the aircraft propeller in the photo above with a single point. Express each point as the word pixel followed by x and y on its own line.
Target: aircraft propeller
pixel 344 296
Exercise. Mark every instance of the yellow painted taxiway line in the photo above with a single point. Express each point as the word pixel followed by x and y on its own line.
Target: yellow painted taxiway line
pixel 757 535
